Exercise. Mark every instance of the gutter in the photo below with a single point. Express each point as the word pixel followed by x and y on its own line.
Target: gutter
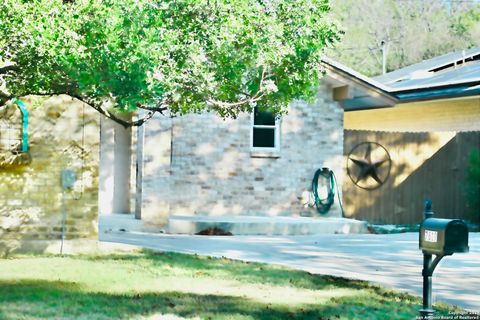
pixel 438 92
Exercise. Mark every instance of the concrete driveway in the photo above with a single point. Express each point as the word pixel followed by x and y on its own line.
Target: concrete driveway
pixel 393 261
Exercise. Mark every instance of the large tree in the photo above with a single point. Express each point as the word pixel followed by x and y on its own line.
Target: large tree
pixel 468 25
pixel 177 55
pixel 406 32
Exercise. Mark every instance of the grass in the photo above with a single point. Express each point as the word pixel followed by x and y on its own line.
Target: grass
pixel 149 285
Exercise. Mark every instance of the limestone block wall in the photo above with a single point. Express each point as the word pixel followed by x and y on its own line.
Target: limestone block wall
pixel 63 134
pixel 203 165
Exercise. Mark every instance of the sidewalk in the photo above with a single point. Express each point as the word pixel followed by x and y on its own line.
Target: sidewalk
pixel 393 261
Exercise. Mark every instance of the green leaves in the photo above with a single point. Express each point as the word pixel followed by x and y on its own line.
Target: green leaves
pixel 413 31
pixel 472 187
pixel 188 55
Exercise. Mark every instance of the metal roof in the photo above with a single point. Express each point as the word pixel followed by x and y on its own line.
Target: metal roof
pixel 431 67
pixel 452 75
pixel 465 74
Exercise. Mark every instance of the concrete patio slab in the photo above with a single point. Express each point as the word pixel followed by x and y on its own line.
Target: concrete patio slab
pixel 261 225
pixel 237 225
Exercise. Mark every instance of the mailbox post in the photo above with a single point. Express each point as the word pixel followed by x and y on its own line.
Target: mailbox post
pixel 427 310
pixel 439 237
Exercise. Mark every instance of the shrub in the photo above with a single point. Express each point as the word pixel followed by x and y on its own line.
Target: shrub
pixel 472 187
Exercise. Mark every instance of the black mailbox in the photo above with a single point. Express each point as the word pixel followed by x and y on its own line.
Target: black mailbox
pixel 443 236
pixel 439 237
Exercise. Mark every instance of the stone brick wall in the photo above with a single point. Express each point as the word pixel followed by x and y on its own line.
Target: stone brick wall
pixel 203 165
pixel 63 133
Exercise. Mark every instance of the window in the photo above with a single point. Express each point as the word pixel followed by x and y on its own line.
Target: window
pixel 265 131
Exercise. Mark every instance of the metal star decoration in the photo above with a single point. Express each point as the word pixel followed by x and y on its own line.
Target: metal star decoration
pixel 368 168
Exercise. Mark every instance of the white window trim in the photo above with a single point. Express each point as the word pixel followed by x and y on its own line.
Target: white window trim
pixel 262 151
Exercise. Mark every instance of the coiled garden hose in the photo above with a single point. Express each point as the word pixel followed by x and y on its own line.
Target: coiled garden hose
pixel 324 205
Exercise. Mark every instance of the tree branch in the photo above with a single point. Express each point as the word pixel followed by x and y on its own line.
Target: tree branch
pixel 252 99
pixel 4 97
pixel 160 107
pixel 126 124
pixel 141 121
pixel 225 104
pixel 7 68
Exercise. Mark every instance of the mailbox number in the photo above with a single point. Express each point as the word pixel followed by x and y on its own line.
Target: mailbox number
pixel 431 236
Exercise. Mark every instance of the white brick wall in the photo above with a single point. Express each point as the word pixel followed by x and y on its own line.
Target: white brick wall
pixel 202 164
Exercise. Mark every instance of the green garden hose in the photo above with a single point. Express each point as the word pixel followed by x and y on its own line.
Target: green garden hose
pixel 24 111
pixel 324 205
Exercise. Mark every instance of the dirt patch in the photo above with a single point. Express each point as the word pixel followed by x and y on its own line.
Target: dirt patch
pixel 390 229
pixel 214 231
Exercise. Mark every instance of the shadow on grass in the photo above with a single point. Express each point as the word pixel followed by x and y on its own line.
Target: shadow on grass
pixel 62 300
pixel 247 272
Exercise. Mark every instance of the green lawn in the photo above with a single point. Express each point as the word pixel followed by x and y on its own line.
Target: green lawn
pixel 148 285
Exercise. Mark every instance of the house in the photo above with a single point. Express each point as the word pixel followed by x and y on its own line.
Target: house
pixel 247 175
pixel 254 173
pixel 199 170
pixel 196 166
pixel 429 132
pixel 440 94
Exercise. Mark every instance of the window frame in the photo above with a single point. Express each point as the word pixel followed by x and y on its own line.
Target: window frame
pixel 277 131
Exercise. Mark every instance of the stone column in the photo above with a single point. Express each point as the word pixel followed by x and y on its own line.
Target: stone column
pixel 122 169
pixel 115 164
pixel 105 194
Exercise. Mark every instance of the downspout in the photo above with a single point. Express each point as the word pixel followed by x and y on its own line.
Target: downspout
pixel 139 168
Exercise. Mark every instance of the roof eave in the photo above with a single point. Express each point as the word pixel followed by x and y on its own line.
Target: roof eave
pixel 377 91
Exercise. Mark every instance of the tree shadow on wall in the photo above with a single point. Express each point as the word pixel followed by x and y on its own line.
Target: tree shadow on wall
pixel 208 167
pixel 62 135
pixel 439 177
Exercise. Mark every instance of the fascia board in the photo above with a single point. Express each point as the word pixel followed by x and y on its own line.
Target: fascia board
pixel 351 77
